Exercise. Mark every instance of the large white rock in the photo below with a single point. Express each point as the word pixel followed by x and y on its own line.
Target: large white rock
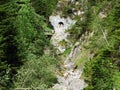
pixel 70 81
pixel 60 31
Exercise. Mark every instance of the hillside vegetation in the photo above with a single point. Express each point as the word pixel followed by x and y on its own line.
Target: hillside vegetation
pixel 24 63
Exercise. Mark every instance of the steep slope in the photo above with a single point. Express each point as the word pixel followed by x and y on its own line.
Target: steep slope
pixel 94 40
pixel 22 43
pixel 85 50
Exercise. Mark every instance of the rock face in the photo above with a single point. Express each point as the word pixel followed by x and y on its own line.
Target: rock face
pixel 71 77
pixel 59 38
pixel 70 81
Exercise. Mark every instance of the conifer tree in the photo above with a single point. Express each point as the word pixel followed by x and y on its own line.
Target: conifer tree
pixel 44 7
pixel 22 34
pixel 8 44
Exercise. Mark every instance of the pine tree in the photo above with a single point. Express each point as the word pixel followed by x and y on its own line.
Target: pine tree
pixel 22 34
pixel 8 46
pixel 44 7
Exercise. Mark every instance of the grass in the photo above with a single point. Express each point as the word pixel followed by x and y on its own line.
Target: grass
pixel 67 51
pixel 116 79
pixel 82 58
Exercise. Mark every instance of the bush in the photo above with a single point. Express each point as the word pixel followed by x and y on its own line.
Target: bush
pixel 37 72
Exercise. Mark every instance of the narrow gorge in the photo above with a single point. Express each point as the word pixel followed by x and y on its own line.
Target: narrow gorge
pixel 71 77
pixel 59 44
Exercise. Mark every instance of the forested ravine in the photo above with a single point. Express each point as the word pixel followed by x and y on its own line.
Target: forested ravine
pixel 59 44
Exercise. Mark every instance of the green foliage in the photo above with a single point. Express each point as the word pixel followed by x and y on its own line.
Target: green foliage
pixel 21 34
pixel 63 43
pixel 77 30
pixel 8 44
pixel 44 7
pixel 66 52
pixel 82 24
pixel 116 79
pixel 30 27
pixel 22 39
pixel 37 72
pixel 100 72
pixel 82 58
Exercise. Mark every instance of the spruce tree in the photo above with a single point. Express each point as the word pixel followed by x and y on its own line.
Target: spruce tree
pixel 8 44
pixel 44 7
pixel 22 34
